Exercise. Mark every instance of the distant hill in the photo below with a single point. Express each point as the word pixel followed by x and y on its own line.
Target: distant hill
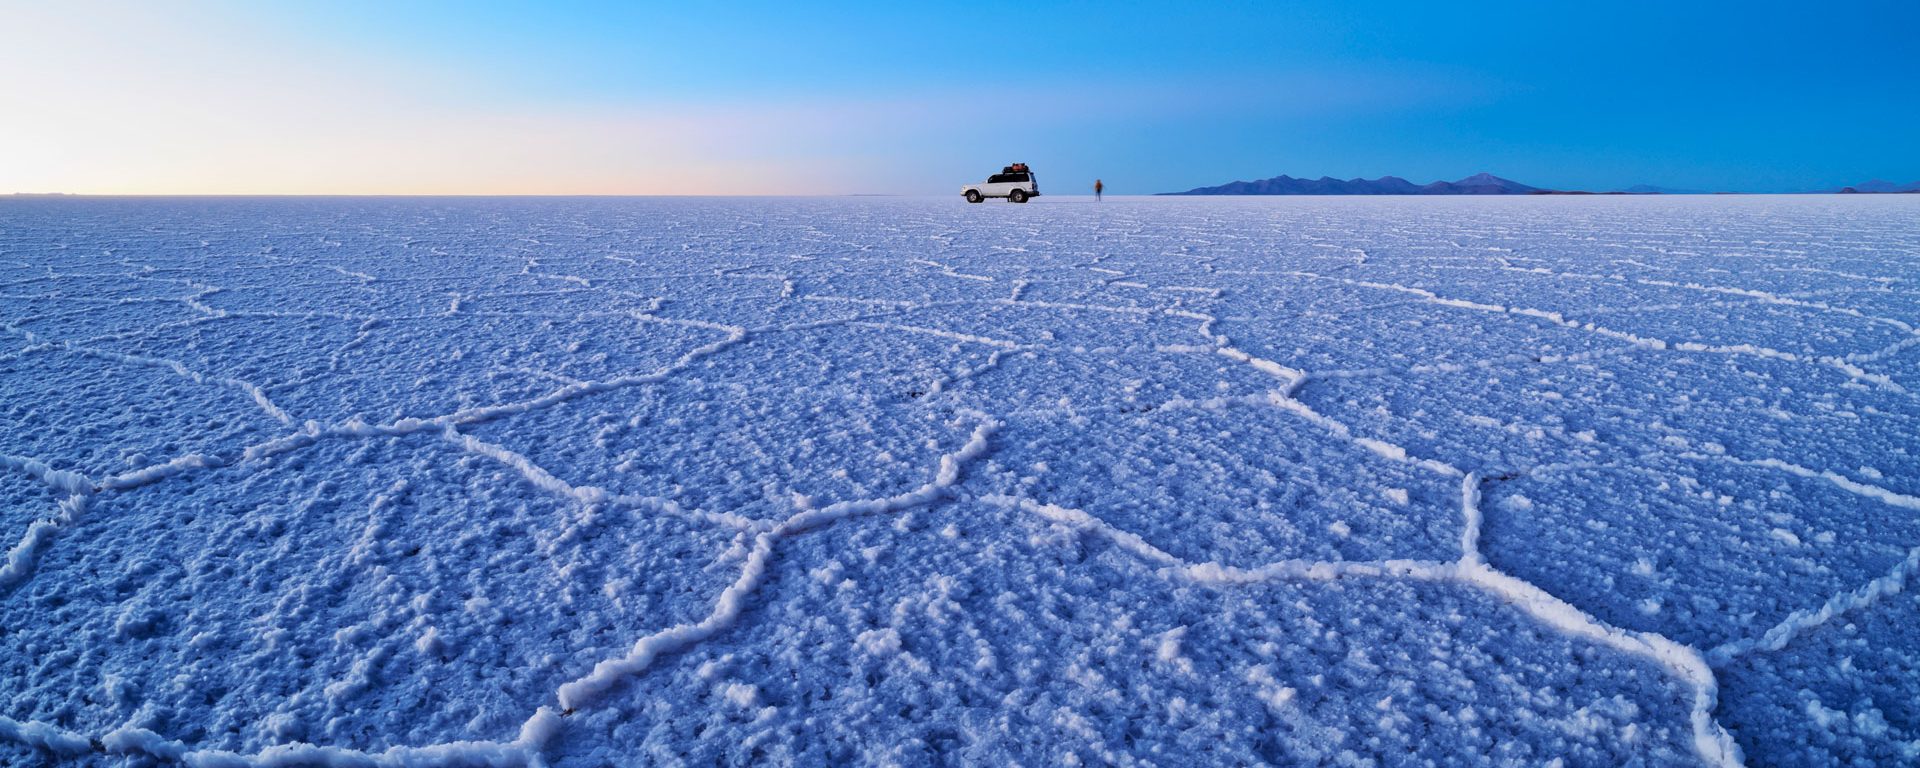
pixel 1480 184
pixel 1878 187
pixel 1477 184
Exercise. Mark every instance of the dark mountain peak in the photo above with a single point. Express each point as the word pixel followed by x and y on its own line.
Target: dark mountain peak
pixel 1484 179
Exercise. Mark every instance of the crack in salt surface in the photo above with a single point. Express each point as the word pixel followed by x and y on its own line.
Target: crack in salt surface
pixel 22 557
pixel 1865 596
pixel 1711 742
pixel 588 689
pixel 1840 364
pixel 580 693
pixel 25 552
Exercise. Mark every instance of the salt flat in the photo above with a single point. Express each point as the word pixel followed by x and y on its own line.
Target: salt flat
pixel 584 482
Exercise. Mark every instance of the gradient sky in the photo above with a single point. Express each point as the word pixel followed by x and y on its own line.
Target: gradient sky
pixel 357 96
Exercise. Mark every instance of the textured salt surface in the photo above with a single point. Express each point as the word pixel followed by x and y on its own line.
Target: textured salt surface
pixel 896 481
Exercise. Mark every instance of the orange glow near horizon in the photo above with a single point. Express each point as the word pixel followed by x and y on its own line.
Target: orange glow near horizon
pixel 137 102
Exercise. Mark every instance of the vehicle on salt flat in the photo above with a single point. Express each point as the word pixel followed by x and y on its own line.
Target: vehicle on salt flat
pixel 1014 182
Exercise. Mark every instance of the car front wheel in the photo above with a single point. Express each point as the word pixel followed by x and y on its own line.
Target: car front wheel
pixel 1017 196
pixel 973 196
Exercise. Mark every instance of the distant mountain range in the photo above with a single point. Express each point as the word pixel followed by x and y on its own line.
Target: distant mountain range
pixel 1477 184
pixel 1878 187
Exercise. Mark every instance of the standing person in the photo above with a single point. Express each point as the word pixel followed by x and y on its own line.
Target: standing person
pixel 1097 188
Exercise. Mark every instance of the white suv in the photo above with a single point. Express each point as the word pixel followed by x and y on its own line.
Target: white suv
pixel 1015 183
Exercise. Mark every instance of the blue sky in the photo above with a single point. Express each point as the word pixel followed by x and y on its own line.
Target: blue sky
pixel 425 97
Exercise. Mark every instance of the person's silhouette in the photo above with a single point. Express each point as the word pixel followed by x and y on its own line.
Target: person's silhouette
pixel 1097 188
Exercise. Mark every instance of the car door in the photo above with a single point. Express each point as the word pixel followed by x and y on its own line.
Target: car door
pixel 998 185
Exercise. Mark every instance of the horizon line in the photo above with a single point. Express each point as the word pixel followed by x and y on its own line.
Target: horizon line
pixel 558 195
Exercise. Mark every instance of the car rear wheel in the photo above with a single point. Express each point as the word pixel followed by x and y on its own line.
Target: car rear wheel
pixel 973 196
pixel 1017 196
